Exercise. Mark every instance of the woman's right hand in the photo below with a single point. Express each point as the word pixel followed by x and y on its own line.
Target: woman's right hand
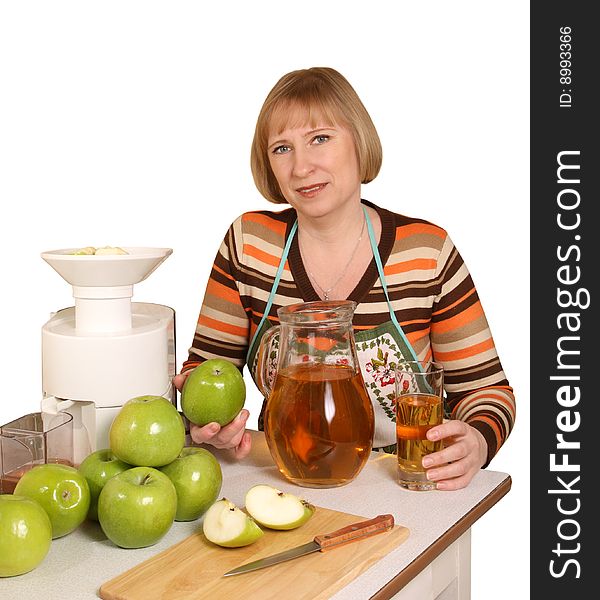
pixel 232 436
pixel 179 380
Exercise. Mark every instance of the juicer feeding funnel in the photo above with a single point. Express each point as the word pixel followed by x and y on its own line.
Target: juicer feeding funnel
pixel 108 269
pixel 103 285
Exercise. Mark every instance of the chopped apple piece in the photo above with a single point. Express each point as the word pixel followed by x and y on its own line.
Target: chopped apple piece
pixel 110 250
pixel 92 251
pixel 227 525
pixel 275 509
pixel 87 251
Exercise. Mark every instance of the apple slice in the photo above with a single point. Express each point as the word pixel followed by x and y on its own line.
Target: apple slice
pixel 227 525
pixel 276 509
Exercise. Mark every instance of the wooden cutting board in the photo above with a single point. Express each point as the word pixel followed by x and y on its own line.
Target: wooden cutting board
pixel 194 567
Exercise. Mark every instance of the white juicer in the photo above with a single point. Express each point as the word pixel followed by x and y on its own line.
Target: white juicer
pixel 106 349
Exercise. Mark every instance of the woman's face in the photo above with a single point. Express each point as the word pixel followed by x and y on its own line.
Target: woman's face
pixel 315 164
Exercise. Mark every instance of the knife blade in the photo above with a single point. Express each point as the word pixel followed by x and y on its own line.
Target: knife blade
pixel 322 543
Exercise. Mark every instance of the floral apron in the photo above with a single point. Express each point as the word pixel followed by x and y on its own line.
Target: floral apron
pixel 379 350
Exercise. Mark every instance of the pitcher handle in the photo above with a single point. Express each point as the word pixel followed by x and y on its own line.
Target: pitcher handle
pixel 263 361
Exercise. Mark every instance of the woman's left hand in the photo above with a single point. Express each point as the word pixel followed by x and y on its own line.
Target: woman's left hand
pixel 232 437
pixel 463 454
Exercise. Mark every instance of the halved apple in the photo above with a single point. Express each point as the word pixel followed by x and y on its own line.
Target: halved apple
pixel 276 509
pixel 227 525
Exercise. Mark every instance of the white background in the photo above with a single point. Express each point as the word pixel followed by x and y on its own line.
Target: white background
pixel 129 123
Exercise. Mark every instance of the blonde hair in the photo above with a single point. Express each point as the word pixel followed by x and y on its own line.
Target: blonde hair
pixel 322 90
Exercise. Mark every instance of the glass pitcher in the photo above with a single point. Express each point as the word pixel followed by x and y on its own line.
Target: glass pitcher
pixel 319 420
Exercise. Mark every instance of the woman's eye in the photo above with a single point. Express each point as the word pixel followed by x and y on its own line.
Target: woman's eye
pixel 320 139
pixel 281 149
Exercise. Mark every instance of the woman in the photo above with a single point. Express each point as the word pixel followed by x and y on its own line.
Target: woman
pixel 314 145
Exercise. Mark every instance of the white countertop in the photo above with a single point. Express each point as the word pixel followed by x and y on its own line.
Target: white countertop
pixel 80 562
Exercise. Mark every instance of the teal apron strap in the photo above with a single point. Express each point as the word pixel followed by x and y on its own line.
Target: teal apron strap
pixel 284 256
pixel 384 284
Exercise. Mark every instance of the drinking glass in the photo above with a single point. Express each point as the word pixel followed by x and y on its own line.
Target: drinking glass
pixel 419 407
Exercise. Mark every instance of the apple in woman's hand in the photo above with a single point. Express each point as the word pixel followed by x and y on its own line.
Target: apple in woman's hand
pixel 98 467
pixel 197 477
pixel 148 431
pixel 226 525
pixel 275 509
pixel 214 392
pixel 136 508
pixel 62 491
pixel 25 534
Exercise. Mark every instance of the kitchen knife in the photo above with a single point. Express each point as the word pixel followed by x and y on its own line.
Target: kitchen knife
pixel 322 543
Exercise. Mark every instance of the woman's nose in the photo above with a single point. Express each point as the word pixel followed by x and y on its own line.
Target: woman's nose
pixel 303 164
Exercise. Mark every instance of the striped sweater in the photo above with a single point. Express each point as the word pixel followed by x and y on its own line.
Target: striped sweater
pixel 430 289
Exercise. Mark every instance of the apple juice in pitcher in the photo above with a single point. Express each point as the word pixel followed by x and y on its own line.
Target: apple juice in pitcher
pixel 319 419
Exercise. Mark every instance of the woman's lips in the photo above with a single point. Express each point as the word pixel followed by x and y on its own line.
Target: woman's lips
pixel 309 191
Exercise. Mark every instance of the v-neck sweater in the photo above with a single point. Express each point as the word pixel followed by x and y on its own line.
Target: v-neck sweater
pixel 369 277
pixel 430 290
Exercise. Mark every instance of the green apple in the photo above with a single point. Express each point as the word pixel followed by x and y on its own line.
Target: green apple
pixel 197 477
pixel 148 431
pixel 25 534
pixel 137 507
pixel 98 467
pixel 275 509
pixel 227 525
pixel 62 491
pixel 214 392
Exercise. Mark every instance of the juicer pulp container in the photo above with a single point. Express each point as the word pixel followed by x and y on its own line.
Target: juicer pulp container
pixel 33 439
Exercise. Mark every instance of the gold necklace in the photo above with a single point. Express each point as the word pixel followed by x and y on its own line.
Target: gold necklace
pixel 330 289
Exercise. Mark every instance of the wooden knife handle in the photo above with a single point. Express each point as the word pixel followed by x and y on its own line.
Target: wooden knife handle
pixel 355 532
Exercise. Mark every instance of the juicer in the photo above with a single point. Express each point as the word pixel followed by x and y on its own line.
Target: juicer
pixel 105 349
